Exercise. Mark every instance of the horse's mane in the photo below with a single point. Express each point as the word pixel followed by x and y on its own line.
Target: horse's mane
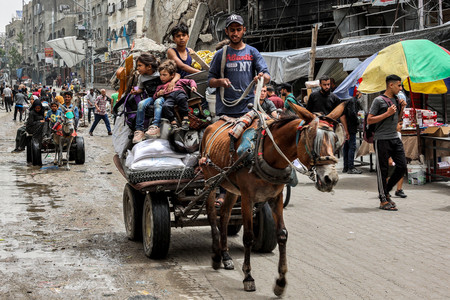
pixel 282 121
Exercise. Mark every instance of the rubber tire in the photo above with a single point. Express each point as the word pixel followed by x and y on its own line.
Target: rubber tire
pixel 29 159
pixel 286 195
pixel 36 155
pixel 233 230
pixel 80 155
pixel 264 230
pixel 133 202
pixel 156 226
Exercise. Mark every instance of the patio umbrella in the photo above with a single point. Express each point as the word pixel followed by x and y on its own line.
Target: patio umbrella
pixel 419 63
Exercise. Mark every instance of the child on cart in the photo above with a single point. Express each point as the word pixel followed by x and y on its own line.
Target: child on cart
pixel 147 66
pixel 167 71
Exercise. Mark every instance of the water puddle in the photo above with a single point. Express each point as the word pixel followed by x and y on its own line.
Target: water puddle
pixel 23 198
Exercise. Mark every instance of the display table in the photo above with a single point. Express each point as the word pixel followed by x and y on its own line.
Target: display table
pixel 435 147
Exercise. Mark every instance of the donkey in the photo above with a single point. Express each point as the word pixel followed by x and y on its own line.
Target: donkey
pixel 65 132
pixel 311 139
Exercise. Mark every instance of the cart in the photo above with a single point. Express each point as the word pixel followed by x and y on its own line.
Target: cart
pixel 35 149
pixel 177 199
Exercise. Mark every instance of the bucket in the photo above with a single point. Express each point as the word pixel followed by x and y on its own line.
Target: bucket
pixel 211 99
pixel 416 175
pixel 165 128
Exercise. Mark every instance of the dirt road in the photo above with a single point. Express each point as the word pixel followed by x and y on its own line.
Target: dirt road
pixel 62 237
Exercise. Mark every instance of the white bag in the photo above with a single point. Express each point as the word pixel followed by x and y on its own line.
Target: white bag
pixel 154 148
pixel 157 164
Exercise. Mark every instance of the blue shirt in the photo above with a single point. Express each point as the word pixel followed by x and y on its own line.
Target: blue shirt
pixel 49 117
pixel 188 62
pixel 240 68
pixel 71 106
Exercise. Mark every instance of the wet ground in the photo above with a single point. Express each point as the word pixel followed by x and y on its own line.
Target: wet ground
pixel 62 237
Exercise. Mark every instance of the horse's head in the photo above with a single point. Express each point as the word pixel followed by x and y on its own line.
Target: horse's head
pixel 319 138
pixel 68 121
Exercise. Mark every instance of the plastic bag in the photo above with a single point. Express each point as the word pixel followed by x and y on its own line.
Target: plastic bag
pixel 120 136
pixel 157 164
pixel 154 148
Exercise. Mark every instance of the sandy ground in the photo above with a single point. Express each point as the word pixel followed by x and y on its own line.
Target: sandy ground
pixel 62 237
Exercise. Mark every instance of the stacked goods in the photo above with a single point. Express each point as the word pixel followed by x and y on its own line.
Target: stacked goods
pixel 423 117
pixel 207 57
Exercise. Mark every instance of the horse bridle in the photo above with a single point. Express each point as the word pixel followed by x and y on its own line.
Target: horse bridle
pixel 326 127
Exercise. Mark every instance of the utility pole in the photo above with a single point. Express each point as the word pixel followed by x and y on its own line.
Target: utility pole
pixel 89 54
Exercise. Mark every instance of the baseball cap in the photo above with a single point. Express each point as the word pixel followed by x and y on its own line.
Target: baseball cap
pixel 234 19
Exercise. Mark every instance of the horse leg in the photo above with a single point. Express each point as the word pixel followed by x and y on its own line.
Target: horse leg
pixel 212 218
pixel 55 161
pixel 247 219
pixel 225 212
pixel 69 143
pixel 282 236
pixel 60 152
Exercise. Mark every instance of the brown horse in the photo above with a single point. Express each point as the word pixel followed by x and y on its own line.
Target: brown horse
pixel 315 148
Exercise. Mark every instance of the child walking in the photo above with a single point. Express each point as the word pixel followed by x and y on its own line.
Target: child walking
pixel 167 71
pixel 147 66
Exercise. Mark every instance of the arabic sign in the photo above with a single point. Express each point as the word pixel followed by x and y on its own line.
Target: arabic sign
pixel 48 52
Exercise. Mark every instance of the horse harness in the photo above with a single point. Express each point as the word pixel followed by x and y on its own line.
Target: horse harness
pixel 326 127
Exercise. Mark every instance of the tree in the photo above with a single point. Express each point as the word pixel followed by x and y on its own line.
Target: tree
pixel 20 38
pixel 15 59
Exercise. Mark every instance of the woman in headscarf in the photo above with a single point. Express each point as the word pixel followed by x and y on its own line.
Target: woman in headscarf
pixel 34 125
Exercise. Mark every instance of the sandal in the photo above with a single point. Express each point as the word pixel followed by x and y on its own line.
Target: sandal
pixel 219 201
pixel 386 205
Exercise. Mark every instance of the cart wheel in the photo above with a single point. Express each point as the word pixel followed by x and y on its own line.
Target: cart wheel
pixel 156 226
pixel 29 159
pixel 36 157
pixel 264 230
pixel 79 150
pixel 233 229
pixel 286 195
pixel 132 212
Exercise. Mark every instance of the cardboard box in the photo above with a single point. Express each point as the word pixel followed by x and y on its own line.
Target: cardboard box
pixel 443 131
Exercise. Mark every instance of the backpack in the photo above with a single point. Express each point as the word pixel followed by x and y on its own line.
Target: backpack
pixel 369 130
pixel 130 104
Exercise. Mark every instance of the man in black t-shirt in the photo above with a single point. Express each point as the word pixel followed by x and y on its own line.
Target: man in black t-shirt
pixel 324 101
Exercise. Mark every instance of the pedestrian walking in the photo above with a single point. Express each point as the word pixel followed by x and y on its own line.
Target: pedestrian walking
pixel 100 112
pixel 20 100
pixel 90 104
pixel 7 93
pixel 385 112
pixel 351 114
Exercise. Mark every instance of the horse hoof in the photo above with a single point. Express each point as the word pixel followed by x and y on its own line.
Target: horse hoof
pixel 249 286
pixel 215 264
pixel 278 290
pixel 228 264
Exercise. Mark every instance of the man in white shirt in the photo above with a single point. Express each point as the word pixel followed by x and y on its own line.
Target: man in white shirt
pixel 90 103
pixel 7 92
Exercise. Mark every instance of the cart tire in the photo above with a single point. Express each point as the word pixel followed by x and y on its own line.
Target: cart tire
pixel 264 231
pixel 29 158
pixel 233 230
pixel 79 150
pixel 36 156
pixel 156 226
pixel 286 195
pixel 133 201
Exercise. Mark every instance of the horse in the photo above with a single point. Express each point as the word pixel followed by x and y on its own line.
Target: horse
pixel 305 136
pixel 65 132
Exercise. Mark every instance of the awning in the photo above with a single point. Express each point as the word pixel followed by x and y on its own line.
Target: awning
pixel 70 49
pixel 289 65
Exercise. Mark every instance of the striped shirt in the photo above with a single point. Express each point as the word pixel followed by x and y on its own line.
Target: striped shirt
pixel 101 104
